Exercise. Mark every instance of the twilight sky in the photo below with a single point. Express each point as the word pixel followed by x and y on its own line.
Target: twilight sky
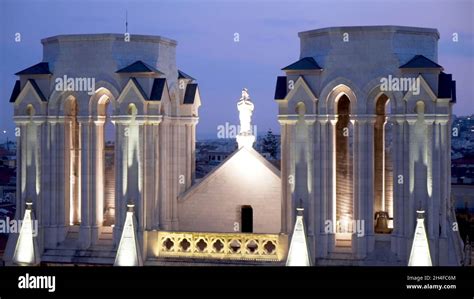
pixel 206 49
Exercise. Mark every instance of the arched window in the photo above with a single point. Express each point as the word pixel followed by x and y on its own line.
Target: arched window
pixel 107 142
pixel 344 171
pixel 383 174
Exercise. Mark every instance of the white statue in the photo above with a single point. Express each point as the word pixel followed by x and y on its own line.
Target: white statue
pixel 245 107
pixel 245 138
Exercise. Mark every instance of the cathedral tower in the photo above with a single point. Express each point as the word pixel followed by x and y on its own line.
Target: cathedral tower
pixel 365 119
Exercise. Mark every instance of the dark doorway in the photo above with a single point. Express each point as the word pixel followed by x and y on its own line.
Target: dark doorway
pixel 247 219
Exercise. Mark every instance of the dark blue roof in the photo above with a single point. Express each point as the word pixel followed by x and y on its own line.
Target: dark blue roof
pixel 17 89
pixel 420 61
pixel 157 89
pixel 306 63
pixel 139 67
pixel 183 75
pixel 37 89
pixel 281 88
pixel 446 87
pixel 37 69
pixel 190 93
pixel 15 92
pixel 140 89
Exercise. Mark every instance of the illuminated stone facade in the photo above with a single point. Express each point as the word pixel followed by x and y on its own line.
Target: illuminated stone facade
pixel 362 158
pixel 61 141
pixel 80 185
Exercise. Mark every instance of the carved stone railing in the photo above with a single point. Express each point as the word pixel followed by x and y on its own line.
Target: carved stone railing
pixel 228 246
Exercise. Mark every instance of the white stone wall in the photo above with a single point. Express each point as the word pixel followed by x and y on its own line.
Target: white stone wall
pixel 150 153
pixel 214 204
pixel 354 59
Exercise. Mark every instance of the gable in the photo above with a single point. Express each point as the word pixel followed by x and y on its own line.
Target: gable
pixel 243 179
pixel 245 166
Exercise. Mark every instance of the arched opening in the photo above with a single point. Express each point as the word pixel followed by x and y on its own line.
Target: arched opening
pixel 383 169
pixel 107 144
pixel 344 171
pixel 247 219
pixel 73 147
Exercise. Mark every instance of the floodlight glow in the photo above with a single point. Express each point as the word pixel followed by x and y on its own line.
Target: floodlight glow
pixel 26 253
pixel 128 253
pixel 420 250
pixel 298 254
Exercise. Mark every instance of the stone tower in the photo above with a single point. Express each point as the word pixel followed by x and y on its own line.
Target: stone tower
pixel 365 121
pixel 61 108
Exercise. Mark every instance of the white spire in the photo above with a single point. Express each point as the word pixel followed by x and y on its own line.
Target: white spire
pixel 420 249
pixel 245 138
pixel 128 252
pixel 298 254
pixel 26 250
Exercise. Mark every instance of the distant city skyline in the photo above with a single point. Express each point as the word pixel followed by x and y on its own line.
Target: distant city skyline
pixel 205 32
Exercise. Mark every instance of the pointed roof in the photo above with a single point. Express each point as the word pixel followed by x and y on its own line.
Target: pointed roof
pixel 446 87
pixel 306 63
pixel 38 90
pixel 41 68
pixel 159 85
pixel 128 252
pixel 420 249
pixel 243 152
pixel 190 93
pixel 183 75
pixel 26 249
pixel 139 87
pixel 298 255
pixel 420 61
pixel 139 67
pixel 281 89
pixel 15 92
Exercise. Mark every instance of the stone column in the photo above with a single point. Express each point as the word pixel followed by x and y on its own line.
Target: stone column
pixel 288 174
pixel 49 180
pixel 436 186
pixel 85 128
pixel 120 173
pixel 331 181
pixel 412 148
pixel 310 206
pixel 157 198
pixel 149 174
pixel 428 161
pixel 98 158
pixel 359 244
pixel 369 191
pixel 398 187
pixel 445 171
pixel 322 165
pixel 165 217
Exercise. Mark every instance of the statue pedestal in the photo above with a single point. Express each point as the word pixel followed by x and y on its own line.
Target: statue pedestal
pixel 245 140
